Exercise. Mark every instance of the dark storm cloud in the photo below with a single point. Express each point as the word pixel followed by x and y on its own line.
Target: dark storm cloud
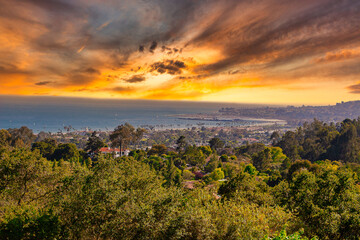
pixel 43 83
pixel 135 79
pixel 153 46
pixel 168 66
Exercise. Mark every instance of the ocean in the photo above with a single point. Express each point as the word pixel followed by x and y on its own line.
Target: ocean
pixel 53 114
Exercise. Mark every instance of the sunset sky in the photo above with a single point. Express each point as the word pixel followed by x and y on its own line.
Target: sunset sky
pixel 249 51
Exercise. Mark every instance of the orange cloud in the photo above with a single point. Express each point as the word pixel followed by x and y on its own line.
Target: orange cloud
pixel 339 56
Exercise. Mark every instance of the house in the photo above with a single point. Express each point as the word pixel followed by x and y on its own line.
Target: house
pixel 115 151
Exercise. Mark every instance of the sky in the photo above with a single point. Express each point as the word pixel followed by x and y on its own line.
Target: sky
pixel 248 51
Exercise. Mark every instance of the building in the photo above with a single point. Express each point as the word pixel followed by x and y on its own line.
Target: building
pixel 115 151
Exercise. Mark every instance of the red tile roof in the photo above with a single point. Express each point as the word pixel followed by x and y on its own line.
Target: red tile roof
pixel 109 150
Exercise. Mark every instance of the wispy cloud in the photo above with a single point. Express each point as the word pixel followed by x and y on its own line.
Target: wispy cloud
pixel 135 79
pixel 354 88
pixel 43 83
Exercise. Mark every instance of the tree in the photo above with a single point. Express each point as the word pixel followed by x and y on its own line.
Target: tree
pixel 216 175
pixel 46 147
pixel 290 145
pixel 181 143
pixel 30 224
pixel 247 187
pixel 346 146
pixel 116 200
pixel 158 149
pixel 66 151
pixel 325 198
pixel 283 236
pixel 224 158
pixel 171 174
pixel 138 135
pixel 206 150
pixel 212 164
pixel 194 156
pixel 216 143
pixel 5 138
pixel 251 149
pixel 24 177
pixel 21 137
pixel 262 160
pixel 250 169
pixel 275 137
pixel 93 144
pixel 41 136
pixel 122 136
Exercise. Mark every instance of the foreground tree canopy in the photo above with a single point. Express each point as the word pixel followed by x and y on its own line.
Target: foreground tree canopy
pixel 51 190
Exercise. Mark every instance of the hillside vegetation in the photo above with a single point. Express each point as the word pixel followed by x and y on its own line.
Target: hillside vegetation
pixel 305 185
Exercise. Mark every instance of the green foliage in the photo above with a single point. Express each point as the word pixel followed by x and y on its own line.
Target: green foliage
pixel 277 154
pixel 157 149
pixel 216 175
pixel 188 175
pixel 172 174
pixel 251 149
pixel 155 162
pixel 5 138
pixel 21 137
pixel 66 151
pixel 248 188
pixel 30 224
pixel 24 177
pixel 283 236
pixel 141 197
pixel 224 158
pixel 216 143
pixel 117 200
pixel 275 136
pixel 262 160
pixel 250 169
pixel 125 134
pixel 346 145
pixel 212 164
pixel 290 144
pixel 46 147
pixel 181 144
pixel 204 217
pixel 319 141
pixel 231 169
pixel 269 160
pixel 233 158
pixel 138 155
pixel 325 198
pixel 206 150
pixel 93 144
pixel 194 156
